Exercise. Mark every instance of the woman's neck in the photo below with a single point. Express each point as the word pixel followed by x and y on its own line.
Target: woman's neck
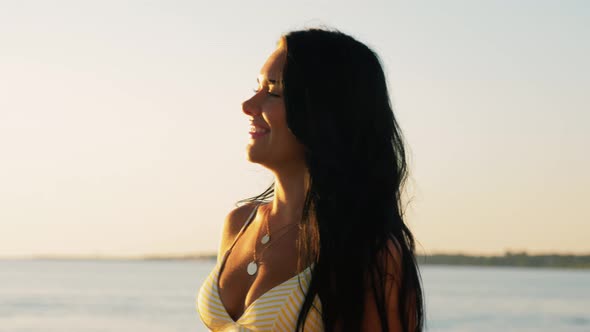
pixel 289 196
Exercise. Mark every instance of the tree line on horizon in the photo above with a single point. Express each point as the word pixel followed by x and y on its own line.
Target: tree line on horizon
pixel 509 259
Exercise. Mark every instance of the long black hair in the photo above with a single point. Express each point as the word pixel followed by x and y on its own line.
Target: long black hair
pixel 338 107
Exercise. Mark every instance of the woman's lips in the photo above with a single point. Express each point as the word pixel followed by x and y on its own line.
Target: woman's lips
pixel 258 135
pixel 257 131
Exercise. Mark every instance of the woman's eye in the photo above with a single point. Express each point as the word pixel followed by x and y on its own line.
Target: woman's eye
pixel 257 90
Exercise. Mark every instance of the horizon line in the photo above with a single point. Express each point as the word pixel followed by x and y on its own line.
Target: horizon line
pixel 209 255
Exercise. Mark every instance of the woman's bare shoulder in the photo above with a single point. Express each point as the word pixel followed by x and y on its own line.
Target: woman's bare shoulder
pixel 233 223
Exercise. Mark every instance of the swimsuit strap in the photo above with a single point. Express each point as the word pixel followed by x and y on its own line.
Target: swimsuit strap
pixel 248 220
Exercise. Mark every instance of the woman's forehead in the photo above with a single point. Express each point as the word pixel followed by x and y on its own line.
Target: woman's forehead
pixel 273 67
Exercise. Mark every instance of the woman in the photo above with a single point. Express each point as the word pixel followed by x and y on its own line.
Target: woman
pixel 325 247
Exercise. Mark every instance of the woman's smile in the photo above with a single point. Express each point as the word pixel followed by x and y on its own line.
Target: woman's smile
pixel 256 132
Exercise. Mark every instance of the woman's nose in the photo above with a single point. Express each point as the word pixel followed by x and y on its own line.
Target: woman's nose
pixel 250 107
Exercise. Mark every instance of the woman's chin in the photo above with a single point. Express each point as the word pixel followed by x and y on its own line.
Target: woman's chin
pixel 253 154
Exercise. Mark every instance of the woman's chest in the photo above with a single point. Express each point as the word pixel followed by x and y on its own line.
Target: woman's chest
pixel 238 289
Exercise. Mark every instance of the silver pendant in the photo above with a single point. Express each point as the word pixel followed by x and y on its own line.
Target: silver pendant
pixel 265 239
pixel 252 268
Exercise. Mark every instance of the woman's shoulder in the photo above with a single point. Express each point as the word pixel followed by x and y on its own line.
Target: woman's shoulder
pixel 234 220
pixel 391 258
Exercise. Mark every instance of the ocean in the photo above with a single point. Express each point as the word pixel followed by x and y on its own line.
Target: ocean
pixel 159 296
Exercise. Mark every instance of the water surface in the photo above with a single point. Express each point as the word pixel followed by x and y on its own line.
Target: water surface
pixel 150 296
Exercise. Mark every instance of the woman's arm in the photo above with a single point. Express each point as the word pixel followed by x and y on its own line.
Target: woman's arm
pixel 371 320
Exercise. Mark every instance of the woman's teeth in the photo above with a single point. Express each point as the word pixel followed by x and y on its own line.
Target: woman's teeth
pixel 258 130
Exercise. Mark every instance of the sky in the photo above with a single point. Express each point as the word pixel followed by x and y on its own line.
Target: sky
pixel 121 130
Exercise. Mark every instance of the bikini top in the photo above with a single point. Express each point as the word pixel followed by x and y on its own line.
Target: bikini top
pixel 275 310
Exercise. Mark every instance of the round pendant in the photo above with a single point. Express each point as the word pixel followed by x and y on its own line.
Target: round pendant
pixel 252 268
pixel 265 239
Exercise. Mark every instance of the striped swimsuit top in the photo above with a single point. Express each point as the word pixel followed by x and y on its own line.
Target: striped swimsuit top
pixel 275 310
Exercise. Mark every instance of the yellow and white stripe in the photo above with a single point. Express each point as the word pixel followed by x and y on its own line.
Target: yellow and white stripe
pixel 275 310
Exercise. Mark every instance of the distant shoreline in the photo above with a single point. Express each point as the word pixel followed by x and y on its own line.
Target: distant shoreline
pixel 516 259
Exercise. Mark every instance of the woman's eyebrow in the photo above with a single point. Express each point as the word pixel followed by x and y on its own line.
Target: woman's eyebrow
pixel 273 81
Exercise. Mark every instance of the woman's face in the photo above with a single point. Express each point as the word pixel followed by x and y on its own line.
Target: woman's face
pixel 272 145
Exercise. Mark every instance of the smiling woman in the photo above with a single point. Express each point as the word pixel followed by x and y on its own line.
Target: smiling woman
pixel 273 144
pixel 325 247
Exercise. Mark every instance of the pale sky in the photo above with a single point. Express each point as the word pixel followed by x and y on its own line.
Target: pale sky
pixel 121 130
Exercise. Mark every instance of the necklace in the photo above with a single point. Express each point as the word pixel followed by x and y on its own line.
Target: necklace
pixel 252 267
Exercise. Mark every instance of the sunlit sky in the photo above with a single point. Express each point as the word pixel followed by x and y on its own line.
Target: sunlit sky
pixel 121 130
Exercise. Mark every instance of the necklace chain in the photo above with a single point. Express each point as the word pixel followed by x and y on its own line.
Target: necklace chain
pixel 252 267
